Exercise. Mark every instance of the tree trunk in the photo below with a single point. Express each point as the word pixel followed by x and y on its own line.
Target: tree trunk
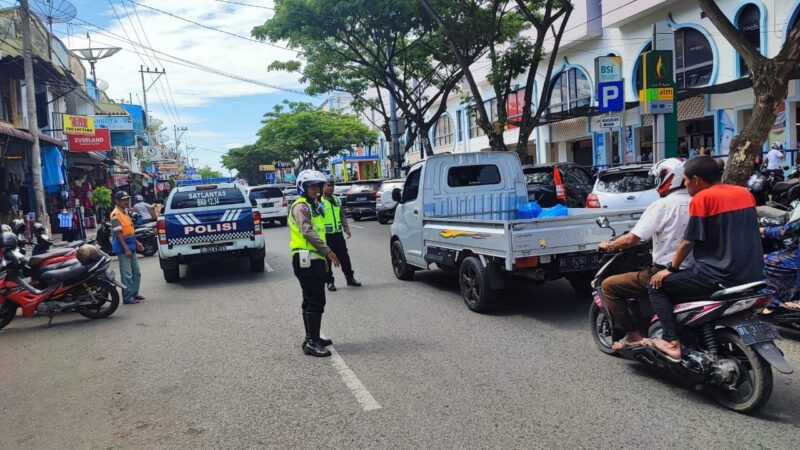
pixel 496 142
pixel 770 89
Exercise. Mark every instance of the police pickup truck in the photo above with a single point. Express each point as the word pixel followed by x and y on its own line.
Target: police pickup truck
pixel 208 222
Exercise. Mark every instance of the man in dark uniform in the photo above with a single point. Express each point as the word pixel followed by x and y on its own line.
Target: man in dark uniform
pixel 335 228
pixel 310 257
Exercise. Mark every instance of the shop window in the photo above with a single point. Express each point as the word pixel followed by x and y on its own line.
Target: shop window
pixel 6 101
pixel 443 133
pixel 749 23
pixel 694 60
pixel 459 126
pixel 514 105
pixel 570 90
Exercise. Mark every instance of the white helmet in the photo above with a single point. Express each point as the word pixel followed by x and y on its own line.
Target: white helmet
pixel 668 175
pixel 309 176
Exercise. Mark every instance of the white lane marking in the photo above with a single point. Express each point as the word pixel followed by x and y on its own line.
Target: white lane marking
pixel 268 267
pixel 357 226
pixel 362 395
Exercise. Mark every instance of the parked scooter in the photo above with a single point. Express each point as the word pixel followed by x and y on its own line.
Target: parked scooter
pixel 63 280
pixel 780 268
pixel 726 348
pixel 145 234
pixel 769 188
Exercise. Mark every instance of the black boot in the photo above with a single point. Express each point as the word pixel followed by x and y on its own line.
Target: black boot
pixel 315 346
pixel 351 281
pixel 308 334
pixel 331 287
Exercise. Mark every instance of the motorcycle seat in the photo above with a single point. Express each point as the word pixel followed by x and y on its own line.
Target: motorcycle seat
pixel 739 290
pixel 64 274
pixel 35 261
pixel 785 185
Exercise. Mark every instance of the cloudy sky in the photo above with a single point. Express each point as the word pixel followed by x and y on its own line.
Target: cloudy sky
pixel 220 112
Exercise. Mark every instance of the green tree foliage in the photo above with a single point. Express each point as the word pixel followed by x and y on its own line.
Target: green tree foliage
pixel 246 159
pixel 207 173
pixel 371 49
pixel 516 36
pixel 296 130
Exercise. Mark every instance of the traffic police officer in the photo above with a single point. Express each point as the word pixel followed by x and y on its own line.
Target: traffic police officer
pixel 335 225
pixel 309 257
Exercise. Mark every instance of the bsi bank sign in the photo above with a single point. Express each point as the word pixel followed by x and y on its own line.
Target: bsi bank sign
pixel 610 85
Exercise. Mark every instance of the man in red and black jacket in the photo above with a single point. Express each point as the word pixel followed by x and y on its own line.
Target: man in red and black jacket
pixel 723 237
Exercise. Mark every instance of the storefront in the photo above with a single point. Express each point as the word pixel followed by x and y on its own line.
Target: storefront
pixel 354 168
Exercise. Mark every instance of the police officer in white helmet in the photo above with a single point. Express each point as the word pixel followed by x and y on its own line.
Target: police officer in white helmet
pixel 310 256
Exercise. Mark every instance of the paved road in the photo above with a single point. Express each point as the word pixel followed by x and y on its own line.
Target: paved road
pixel 215 362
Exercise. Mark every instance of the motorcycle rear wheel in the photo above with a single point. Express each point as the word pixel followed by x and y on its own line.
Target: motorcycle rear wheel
pixel 754 386
pixel 150 249
pixel 8 311
pixel 109 300
pixel 601 329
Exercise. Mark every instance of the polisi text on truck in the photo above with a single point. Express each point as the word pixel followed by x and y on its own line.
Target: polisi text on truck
pixel 211 228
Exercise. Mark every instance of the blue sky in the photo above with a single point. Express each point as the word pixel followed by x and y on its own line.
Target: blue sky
pixel 219 112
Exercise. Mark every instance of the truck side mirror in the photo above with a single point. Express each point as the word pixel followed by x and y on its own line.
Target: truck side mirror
pixel 397 195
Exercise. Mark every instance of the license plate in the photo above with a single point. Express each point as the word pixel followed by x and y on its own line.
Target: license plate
pixel 753 332
pixel 579 263
pixel 268 205
pixel 361 199
pixel 212 249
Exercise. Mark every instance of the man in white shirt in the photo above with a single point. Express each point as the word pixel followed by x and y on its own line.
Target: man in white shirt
pixel 664 222
pixel 147 212
pixel 774 158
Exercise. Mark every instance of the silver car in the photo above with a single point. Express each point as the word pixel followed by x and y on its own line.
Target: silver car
pixel 384 205
pixel 623 187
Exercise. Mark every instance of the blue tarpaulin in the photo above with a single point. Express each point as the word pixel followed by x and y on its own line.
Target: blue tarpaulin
pixel 52 172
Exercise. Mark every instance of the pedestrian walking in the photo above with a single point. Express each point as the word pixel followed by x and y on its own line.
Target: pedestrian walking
pixel 310 255
pixel 335 228
pixel 125 245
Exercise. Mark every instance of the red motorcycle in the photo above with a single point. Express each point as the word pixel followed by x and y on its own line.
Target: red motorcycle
pixel 59 282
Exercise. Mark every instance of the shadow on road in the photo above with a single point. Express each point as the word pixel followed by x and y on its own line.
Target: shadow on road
pixel 235 271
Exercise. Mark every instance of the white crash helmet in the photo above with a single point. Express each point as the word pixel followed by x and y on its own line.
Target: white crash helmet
pixel 310 176
pixel 668 175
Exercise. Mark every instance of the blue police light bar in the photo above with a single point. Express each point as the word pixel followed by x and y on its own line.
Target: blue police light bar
pixel 207 181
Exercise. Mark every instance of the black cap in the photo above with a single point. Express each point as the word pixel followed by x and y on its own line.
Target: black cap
pixel 121 195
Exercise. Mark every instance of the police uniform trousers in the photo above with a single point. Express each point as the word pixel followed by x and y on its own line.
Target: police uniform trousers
pixel 312 282
pixel 338 245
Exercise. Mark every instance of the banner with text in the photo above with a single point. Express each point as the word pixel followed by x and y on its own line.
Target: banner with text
pixel 80 125
pixel 100 141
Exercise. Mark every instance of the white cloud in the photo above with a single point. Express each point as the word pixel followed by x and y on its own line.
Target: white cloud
pixel 173 36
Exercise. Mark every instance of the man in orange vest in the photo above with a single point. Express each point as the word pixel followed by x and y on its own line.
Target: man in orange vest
pixel 125 245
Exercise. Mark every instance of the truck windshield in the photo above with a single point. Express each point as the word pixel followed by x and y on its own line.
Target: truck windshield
pixel 202 198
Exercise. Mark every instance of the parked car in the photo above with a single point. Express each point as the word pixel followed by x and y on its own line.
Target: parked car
pixel 291 194
pixel 623 187
pixel 361 199
pixel 340 191
pixel 384 204
pixel 270 202
pixel 546 181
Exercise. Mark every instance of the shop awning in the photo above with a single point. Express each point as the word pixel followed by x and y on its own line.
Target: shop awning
pixel 15 133
pixel 111 109
pixel 86 159
pixel 51 140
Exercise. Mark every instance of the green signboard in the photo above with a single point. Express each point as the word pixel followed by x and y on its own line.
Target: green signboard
pixel 657 78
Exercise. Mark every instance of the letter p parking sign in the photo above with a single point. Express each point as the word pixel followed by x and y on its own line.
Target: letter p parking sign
pixel 610 96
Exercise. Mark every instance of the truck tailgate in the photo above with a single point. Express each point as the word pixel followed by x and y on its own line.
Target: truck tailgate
pixel 206 227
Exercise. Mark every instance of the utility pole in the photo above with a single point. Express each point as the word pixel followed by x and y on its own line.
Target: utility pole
pixel 178 141
pixel 33 123
pixel 396 158
pixel 142 71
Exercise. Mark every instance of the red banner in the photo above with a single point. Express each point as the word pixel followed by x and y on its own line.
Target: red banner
pixel 99 142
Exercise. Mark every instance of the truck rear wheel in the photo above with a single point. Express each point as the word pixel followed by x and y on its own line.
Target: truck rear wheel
pixel 473 279
pixel 172 275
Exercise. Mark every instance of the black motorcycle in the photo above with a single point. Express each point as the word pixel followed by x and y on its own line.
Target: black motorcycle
pixel 145 234
pixel 726 348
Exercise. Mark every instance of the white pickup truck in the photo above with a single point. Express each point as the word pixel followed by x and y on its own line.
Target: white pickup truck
pixel 461 212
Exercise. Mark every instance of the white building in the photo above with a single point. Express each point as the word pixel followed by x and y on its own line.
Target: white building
pixel 626 28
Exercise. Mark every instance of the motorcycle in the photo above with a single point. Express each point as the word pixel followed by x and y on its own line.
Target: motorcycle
pixel 726 348
pixel 769 188
pixel 60 283
pixel 780 269
pixel 145 234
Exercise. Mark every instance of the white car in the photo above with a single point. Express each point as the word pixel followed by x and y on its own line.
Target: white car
pixel 623 187
pixel 270 202
pixel 384 205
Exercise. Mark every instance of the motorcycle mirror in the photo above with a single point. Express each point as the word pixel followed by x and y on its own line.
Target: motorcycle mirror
pixel 603 222
pixel 770 222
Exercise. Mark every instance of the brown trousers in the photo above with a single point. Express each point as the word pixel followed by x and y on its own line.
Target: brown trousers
pixel 617 289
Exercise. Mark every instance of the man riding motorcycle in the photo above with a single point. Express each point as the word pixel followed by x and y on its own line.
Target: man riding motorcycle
pixel 664 222
pixel 723 238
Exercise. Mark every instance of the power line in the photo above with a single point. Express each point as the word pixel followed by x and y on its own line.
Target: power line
pixel 213 28
pixel 245 4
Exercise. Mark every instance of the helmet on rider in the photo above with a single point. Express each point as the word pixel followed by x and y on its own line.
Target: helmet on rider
pixel 668 175
pixel 138 199
pixel 38 229
pixel 8 240
pixel 308 177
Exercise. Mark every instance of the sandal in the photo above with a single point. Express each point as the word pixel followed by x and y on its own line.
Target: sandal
pixel 623 344
pixel 652 343
pixel 793 305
